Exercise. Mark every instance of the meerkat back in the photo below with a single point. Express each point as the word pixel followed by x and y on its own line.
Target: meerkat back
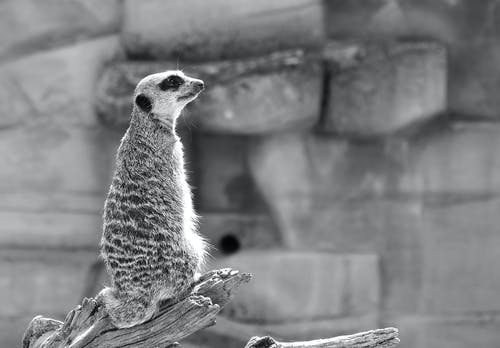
pixel 150 244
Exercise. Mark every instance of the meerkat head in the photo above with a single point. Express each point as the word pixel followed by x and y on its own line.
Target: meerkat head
pixel 163 96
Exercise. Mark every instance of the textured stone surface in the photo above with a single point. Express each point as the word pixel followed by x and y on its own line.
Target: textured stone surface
pixel 29 25
pixel 229 233
pixel 459 159
pixel 54 201
pixel 459 247
pixel 302 174
pixel 23 229
pixel 42 282
pixel 391 86
pixel 12 329
pixel 53 185
pixel 421 203
pixel 303 177
pixel 222 179
pixel 277 92
pixel 195 29
pixel 52 158
pixel 468 28
pixel 473 330
pixel 301 286
pixel 261 104
pixel 64 91
pixel 278 101
pixel 474 77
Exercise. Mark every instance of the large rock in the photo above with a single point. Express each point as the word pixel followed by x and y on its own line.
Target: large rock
pixel 56 85
pixel 390 87
pixel 27 26
pixel 195 29
pixel 277 92
pixel 303 286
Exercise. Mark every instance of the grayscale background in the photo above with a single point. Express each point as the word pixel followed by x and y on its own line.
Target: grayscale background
pixel 345 152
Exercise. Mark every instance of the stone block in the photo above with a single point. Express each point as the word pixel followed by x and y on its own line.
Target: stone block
pixel 468 28
pixel 222 179
pixel 56 85
pixel 281 101
pixel 50 158
pixel 473 76
pixel 195 29
pixel 229 233
pixel 392 86
pixel 272 93
pixel 42 282
pixel 27 26
pixel 303 286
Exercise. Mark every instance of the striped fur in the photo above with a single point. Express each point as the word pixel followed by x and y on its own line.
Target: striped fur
pixel 150 244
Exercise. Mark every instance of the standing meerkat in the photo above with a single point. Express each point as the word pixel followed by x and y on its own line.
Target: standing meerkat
pixel 150 244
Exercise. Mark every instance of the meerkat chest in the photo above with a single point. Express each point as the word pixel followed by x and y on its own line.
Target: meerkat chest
pixel 188 213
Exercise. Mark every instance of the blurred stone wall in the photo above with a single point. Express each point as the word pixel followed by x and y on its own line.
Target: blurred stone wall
pixel 344 152
pixel 54 154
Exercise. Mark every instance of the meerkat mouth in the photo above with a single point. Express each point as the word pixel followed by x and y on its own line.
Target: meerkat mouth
pixel 188 96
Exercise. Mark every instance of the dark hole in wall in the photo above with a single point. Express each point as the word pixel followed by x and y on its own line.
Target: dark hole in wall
pixel 229 244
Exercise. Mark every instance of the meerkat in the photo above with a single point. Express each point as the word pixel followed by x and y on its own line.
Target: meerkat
pixel 150 244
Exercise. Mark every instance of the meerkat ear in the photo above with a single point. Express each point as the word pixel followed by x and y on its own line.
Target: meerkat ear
pixel 144 103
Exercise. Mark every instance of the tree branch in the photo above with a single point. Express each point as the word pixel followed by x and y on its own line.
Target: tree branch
pixel 88 326
pixel 376 338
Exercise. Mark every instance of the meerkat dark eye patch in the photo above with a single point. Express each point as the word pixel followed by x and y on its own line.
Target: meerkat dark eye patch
pixel 171 83
pixel 143 103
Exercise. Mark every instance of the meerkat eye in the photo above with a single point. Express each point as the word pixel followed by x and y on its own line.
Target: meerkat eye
pixel 171 83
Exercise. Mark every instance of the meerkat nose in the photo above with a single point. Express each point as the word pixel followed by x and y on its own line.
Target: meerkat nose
pixel 198 85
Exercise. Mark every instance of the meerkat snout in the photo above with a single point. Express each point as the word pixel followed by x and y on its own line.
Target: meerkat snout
pixel 194 86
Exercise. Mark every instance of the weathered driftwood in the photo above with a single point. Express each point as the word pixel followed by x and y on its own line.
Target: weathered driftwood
pixel 87 326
